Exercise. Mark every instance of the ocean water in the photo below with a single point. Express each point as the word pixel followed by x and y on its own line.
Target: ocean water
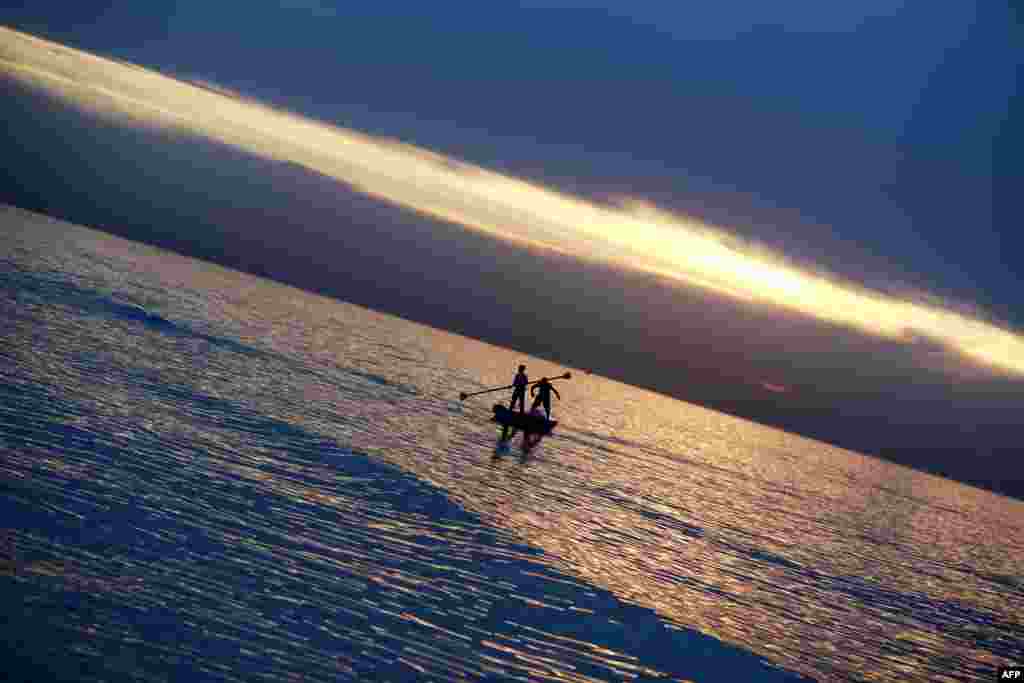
pixel 209 476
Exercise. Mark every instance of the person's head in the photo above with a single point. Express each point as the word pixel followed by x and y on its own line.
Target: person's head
pixel 543 380
pixel 522 368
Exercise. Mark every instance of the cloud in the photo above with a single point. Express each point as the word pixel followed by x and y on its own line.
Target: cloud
pixel 631 233
pixel 314 7
pixel 925 342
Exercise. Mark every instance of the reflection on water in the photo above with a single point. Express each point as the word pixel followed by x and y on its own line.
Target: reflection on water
pixel 210 475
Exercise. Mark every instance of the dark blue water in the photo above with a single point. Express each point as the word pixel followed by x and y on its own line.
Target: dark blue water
pixel 207 476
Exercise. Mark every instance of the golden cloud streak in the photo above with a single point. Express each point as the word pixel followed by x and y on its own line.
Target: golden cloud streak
pixel 634 234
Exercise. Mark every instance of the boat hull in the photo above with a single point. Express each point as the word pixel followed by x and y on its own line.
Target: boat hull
pixel 522 421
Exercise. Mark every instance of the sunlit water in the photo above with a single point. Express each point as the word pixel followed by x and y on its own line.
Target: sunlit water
pixel 208 476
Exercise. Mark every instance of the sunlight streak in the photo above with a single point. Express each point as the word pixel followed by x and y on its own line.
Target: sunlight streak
pixel 633 234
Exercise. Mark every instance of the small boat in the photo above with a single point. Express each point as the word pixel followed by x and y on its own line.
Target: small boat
pixel 534 426
pixel 526 422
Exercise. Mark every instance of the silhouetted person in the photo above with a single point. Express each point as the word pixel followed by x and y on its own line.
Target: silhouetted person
pixel 519 390
pixel 543 389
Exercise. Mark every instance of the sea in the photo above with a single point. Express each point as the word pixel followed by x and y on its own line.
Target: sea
pixel 208 476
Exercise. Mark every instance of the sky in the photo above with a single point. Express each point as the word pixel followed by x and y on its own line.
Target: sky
pixel 799 212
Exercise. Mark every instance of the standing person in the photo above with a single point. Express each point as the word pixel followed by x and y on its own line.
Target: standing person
pixel 543 389
pixel 519 390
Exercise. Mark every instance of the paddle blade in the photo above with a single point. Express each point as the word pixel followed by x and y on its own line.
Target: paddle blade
pixel 463 395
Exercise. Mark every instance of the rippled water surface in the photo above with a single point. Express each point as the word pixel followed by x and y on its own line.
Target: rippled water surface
pixel 208 476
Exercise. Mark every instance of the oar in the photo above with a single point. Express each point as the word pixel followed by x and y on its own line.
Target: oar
pixel 463 395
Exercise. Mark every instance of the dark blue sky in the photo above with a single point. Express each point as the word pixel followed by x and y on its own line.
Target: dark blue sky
pixel 864 137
